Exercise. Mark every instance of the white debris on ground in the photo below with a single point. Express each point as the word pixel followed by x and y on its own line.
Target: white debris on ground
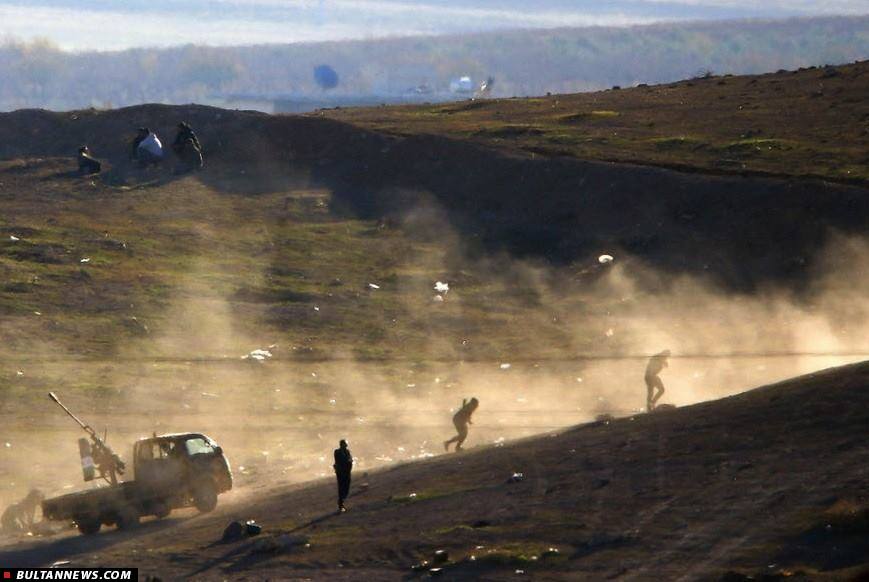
pixel 604 259
pixel 85 260
pixel 259 355
pixel 505 366
pixel 441 287
pixel 316 308
pixel 610 332
pixel 210 395
pixel 13 238
pixel 373 286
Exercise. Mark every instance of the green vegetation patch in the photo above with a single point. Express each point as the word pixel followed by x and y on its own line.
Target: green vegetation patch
pixel 676 142
pixel 588 116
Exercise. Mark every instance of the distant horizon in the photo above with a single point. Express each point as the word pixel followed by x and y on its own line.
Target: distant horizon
pixel 114 25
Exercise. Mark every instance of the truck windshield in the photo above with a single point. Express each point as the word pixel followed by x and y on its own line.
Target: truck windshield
pixel 198 446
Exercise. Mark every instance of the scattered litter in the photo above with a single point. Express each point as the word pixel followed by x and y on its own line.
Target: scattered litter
pixel 332 401
pixel 37 313
pixel 610 332
pixel 549 553
pixel 520 572
pixel 411 385
pixel 516 478
pixel 373 286
pixel 259 355
pixel 210 395
pixel 19 373
pixel 505 366
pixel 579 380
pixel 442 287
pixel 420 567
pixel 316 308
pixel 8 445
pixel 412 496
pixel 59 563
pixel 604 259
pixel 438 298
pixel 13 238
pixel 85 260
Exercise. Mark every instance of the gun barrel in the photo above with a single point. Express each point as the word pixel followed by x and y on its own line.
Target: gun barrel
pixel 88 429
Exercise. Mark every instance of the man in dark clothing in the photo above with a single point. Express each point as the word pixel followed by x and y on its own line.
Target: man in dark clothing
pixel 187 147
pixel 141 134
pixel 461 420
pixel 343 466
pixel 654 384
pixel 87 164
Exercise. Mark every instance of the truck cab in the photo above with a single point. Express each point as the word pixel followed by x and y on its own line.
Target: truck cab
pixel 182 466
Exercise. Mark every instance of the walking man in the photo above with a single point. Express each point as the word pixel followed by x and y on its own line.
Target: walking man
pixel 461 420
pixel 654 385
pixel 343 466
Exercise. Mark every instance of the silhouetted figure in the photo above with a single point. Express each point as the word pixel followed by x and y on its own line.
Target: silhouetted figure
pixel 20 517
pixel 87 164
pixel 343 467
pixel 461 420
pixel 654 385
pixel 187 148
pixel 147 148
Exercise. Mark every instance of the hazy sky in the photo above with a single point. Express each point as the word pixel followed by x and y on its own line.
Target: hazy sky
pixel 118 24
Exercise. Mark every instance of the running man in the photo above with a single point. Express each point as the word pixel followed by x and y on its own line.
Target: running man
pixel 461 420
pixel 653 381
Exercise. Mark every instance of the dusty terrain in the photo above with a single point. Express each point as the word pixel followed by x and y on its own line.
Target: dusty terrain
pixel 135 295
pixel 772 482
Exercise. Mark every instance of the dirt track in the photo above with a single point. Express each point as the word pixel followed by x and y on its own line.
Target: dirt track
pixel 681 495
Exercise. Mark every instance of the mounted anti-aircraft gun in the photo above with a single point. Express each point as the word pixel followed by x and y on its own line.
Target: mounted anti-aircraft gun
pixel 96 455
pixel 172 471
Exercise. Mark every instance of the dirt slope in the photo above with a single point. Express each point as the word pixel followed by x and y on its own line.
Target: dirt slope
pixel 768 481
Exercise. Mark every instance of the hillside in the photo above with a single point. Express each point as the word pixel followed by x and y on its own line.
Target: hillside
pixel 810 122
pixel 729 486
pixel 330 243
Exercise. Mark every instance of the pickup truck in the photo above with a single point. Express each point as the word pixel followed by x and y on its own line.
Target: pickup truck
pixel 171 471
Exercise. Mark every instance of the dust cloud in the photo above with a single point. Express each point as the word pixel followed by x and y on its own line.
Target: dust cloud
pixel 576 341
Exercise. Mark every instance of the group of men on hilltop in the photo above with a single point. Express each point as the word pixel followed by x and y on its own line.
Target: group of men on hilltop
pixel 147 150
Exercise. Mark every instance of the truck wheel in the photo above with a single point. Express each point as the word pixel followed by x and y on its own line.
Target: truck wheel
pixel 205 496
pixel 128 517
pixel 161 509
pixel 88 525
